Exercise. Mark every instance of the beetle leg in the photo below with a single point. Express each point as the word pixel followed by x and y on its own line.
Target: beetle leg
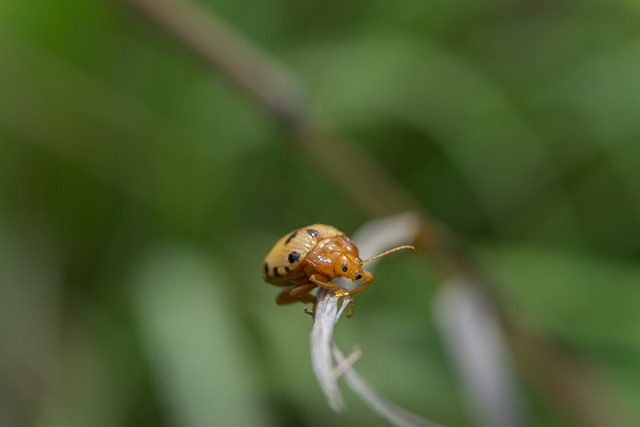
pixel 323 281
pixel 368 278
pixel 298 294
pixel 315 278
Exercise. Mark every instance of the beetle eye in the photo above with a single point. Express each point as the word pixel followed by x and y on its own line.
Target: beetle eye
pixel 359 276
pixel 345 267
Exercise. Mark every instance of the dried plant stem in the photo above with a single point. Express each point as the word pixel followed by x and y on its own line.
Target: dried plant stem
pixel 278 93
pixel 326 317
pixel 329 364
pixel 394 414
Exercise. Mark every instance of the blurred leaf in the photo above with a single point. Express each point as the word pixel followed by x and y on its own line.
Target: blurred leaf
pixel 585 300
pixel 197 351
pixel 594 108
pixel 95 379
pixel 587 304
pixel 602 91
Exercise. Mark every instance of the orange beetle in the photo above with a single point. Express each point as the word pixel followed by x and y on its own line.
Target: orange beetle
pixel 312 256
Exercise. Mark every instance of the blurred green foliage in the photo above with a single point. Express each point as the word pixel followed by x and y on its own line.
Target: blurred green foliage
pixel 139 194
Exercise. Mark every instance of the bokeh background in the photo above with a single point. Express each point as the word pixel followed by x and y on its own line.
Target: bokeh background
pixel 140 191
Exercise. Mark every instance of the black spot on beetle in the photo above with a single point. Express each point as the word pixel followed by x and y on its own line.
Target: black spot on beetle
pixel 293 257
pixel 266 268
pixel 291 237
pixel 312 232
pixel 359 276
pixel 287 269
pixel 345 267
pixel 275 272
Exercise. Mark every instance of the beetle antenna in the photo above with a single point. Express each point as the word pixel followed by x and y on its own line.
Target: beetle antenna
pixel 399 248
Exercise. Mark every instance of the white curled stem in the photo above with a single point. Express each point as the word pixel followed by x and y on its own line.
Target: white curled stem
pixel 329 364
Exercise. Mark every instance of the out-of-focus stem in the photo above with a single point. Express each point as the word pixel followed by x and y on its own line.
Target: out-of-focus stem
pixel 210 40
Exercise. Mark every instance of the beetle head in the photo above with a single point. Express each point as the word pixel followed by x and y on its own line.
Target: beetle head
pixel 349 266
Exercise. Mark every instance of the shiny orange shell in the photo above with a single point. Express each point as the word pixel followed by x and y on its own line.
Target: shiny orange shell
pixel 288 254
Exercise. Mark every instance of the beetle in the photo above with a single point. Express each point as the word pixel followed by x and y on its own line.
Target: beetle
pixel 312 256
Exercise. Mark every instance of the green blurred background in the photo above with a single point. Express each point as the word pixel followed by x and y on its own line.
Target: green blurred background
pixel 139 193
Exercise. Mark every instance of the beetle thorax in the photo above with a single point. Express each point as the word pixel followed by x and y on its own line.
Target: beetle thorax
pixel 331 252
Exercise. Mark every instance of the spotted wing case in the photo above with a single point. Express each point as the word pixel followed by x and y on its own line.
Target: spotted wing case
pixel 288 254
